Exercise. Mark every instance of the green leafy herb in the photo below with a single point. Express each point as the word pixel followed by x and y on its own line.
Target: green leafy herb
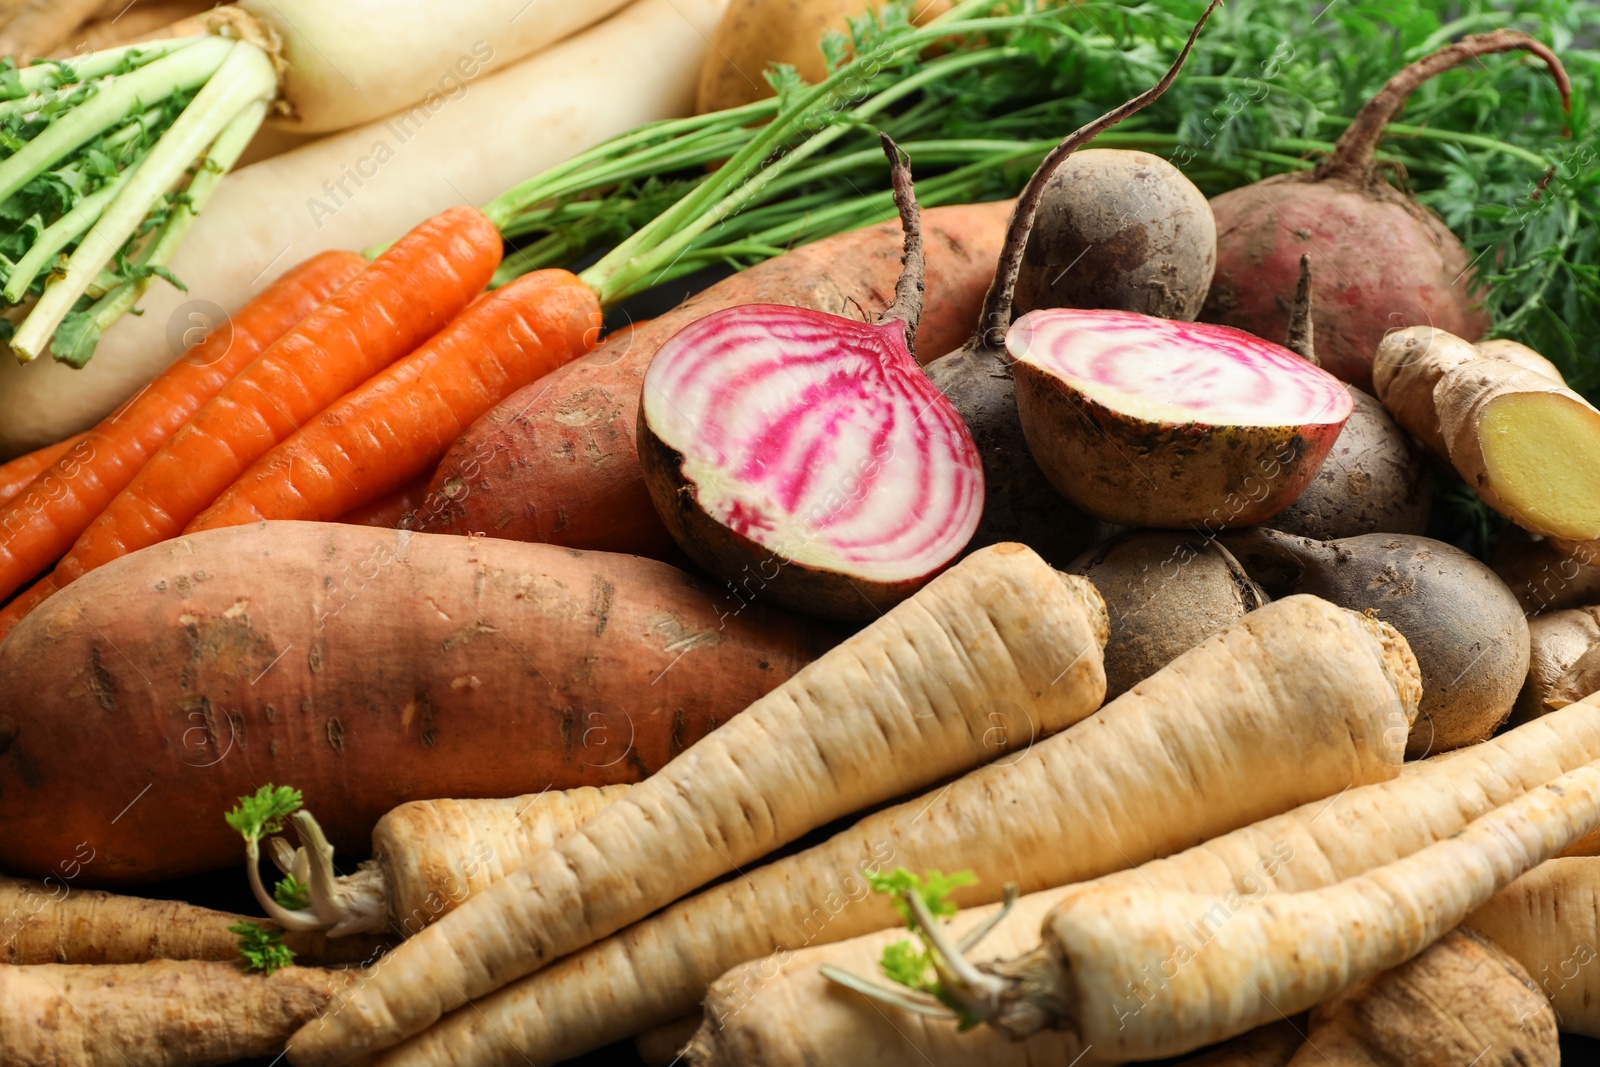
pixel 262 947
pixel 262 813
pixel 292 893
pixel 904 962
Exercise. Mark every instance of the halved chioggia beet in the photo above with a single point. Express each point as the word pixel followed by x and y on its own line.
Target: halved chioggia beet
pixel 1020 503
pixel 1152 422
pixel 1383 260
pixel 805 458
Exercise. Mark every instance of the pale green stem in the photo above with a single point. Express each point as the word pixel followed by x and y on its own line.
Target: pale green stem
pixel 245 78
pixel 111 104
pixel 116 298
pixel 37 76
pixel 58 235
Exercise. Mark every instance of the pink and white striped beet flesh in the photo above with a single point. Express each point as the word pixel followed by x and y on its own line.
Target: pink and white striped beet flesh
pixel 1153 422
pixel 818 450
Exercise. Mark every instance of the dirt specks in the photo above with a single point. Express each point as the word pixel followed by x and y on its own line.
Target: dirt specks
pixel 101 683
pixel 602 593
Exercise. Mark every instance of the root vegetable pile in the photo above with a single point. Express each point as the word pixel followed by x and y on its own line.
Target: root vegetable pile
pixel 727 594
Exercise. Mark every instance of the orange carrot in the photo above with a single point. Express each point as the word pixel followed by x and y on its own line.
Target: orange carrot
pixel 398 302
pixel 15 475
pixel 397 425
pixel 42 522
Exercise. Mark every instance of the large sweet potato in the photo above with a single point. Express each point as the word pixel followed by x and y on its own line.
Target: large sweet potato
pixel 366 667
pixel 556 461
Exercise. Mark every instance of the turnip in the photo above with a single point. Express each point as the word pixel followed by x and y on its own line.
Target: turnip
pixel 1020 504
pixel 1375 480
pixel 1165 592
pixel 1151 422
pixel 811 445
pixel 1383 259
pixel 1119 229
pixel 1465 626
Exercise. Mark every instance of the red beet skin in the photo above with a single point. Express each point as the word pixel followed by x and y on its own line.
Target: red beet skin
pixel 1380 260
pixel 1380 263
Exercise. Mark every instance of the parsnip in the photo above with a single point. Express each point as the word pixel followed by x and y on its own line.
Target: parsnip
pixel 780 1012
pixel 166 1013
pixel 1197 749
pixel 369 185
pixel 1137 972
pixel 994 653
pixel 56 922
pixel 1549 920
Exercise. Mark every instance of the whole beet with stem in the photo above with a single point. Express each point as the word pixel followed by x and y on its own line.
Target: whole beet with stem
pixel 1375 480
pixel 1383 260
pixel 1020 504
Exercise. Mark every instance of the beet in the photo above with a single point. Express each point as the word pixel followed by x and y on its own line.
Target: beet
pixel 1165 592
pixel 1375 480
pixel 805 458
pixel 1150 422
pixel 1020 504
pixel 1383 260
pixel 1468 632
pixel 1121 230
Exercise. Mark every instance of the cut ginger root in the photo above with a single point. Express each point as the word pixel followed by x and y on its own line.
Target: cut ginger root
pixel 1503 417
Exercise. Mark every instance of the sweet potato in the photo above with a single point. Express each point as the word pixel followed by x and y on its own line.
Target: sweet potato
pixel 367 667
pixel 556 462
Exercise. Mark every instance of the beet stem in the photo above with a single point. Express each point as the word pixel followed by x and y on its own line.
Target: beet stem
pixel 1299 340
pixel 996 317
pixel 908 289
pixel 1352 155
